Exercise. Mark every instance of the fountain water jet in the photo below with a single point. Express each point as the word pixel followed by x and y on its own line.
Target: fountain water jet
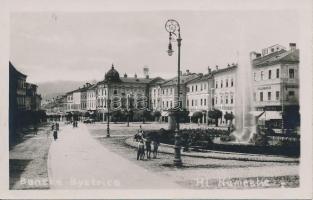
pixel 244 120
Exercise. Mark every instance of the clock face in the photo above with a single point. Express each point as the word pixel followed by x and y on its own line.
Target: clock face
pixel 171 25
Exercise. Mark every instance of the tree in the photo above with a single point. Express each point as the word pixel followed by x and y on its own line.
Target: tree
pixel 156 115
pixel 116 116
pixel 215 114
pixel 196 116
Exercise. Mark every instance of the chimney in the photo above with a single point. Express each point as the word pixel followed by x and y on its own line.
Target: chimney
pixel 228 65
pixel 253 55
pixel 292 46
pixel 125 75
pixel 209 70
pixel 135 76
pixel 187 72
pixel 146 72
pixel 216 67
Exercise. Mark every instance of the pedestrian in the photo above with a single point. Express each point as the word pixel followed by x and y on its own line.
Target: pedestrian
pixel 140 150
pixel 148 147
pixel 57 126
pixel 55 135
pixel 155 145
pixel 52 127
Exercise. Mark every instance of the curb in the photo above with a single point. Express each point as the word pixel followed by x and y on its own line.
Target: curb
pixel 169 149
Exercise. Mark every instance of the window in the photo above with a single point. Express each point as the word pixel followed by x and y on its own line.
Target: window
pixel 291 93
pixel 204 86
pixel 272 50
pixel 166 91
pixel 291 73
pixel 187 103
pixel 226 82
pixel 115 91
pixel 261 96
pixel 167 104
pixel 232 99
pixel 205 102
pixel 196 88
pixel 191 102
pixel 163 103
pixel 232 82
pixel 269 74
pixel 192 88
pixel 201 102
pixel 201 87
pixel 269 96
pixel 163 91
pixel 221 83
pixel 277 73
pixel 226 99
pixel 171 104
pixel 221 99
pixel 262 75
pixel 216 84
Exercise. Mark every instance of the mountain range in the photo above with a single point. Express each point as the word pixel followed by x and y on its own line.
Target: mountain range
pixel 49 90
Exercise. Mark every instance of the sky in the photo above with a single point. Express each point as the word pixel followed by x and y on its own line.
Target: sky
pixel 81 46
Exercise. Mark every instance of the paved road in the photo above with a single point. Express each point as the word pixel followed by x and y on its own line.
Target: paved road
pixel 77 161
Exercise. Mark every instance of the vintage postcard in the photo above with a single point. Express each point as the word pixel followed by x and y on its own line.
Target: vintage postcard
pixel 158 99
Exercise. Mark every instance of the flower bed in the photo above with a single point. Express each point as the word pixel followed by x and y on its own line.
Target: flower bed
pixel 198 139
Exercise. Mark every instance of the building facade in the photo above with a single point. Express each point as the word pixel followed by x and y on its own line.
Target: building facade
pixel 169 92
pixel 91 98
pixel 199 96
pixel 224 90
pixel 276 85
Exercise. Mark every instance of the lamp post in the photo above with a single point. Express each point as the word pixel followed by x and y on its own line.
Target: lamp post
pixel 173 28
pixel 108 107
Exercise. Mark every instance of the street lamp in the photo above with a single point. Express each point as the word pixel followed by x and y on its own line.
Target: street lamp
pixel 173 28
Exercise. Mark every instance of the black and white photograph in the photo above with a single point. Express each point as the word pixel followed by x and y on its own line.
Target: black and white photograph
pixel 170 96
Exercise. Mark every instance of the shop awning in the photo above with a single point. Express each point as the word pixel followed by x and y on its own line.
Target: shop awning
pixel 256 113
pixel 164 113
pixel 268 115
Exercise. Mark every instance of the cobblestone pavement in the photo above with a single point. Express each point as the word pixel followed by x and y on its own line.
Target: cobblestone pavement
pixel 77 161
pixel 200 173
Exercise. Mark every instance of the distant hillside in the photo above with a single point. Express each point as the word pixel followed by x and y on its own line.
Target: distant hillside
pixel 49 90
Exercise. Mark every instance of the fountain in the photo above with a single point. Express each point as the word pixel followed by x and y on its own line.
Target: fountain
pixel 245 121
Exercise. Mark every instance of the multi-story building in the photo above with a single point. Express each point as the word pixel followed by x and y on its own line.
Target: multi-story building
pixel 83 96
pixel 169 92
pixel 17 89
pixel 225 90
pixel 91 98
pixel 155 93
pixel 69 101
pixel 124 92
pixel 23 101
pixel 276 85
pixel 199 95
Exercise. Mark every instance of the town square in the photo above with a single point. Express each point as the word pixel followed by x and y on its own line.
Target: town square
pixel 154 100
